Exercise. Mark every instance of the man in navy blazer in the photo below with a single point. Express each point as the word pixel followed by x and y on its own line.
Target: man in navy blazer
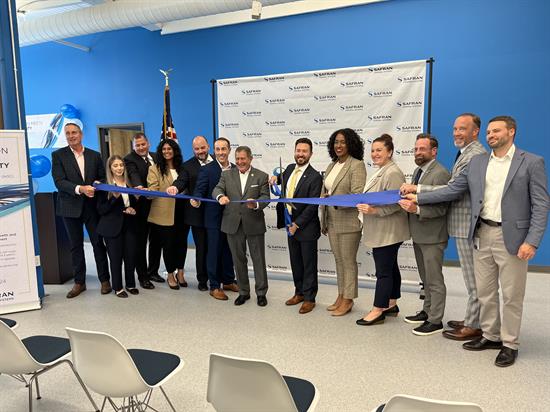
pixel 510 205
pixel 74 170
pixel 219 264
pixel 300 179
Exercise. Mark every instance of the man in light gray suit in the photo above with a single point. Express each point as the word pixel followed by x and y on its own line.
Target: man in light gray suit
pixel 428 228
pixel 510 205
pixel 244 222
pixel 465 135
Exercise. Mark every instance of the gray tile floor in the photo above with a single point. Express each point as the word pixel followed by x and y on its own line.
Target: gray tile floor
pixel 354 368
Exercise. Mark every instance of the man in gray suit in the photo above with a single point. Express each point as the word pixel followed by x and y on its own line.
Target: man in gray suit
pixel 510 205
pixel 428 228
pixel 244 222
pixel 465 134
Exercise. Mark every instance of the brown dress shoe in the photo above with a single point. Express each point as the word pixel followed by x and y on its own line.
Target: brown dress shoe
pixel 233 287
pixel 294 300
pixel 218 294
pixel 106 287
pixel 344 308
pixel 76 290
pixel 464 333
pixel 455 324
pixel 306 307
pixel 336 303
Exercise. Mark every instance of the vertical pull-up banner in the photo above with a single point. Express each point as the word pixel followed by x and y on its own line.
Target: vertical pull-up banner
pixel 18 284
pixel 268 113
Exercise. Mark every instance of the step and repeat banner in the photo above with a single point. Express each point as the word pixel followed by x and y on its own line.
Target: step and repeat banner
pixel 18 283
pixel 268 114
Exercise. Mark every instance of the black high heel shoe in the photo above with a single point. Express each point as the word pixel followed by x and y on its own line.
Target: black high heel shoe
pixel 176 286
pixel 393 311
pixel 378 320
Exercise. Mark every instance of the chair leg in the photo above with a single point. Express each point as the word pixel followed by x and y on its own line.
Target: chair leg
pixel 30 395
pixel 167 399
pixel 103 404
pixel 37 389
pixel 83 386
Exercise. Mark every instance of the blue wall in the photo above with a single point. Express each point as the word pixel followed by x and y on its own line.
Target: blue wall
pixel 491 58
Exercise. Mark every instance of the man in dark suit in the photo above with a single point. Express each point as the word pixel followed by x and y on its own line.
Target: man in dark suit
pixel 300 179
pixel 137 165
pixel 510 204
pixel 428 228
pixel 74 170
pixel 219 263
pixel 244 222
pixel 193 218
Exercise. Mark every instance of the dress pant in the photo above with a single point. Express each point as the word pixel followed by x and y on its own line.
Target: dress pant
pixel 493 263
pixel 164 237
pixel 388 276
pixel 219 263
pixel 201 247
pixel 140 253
pixel 344 247
pixel 90 219
pixel 429 259
pixel 154 253
pixel 303 261
pixel 121 249
pixel 466 258
pixel 256 245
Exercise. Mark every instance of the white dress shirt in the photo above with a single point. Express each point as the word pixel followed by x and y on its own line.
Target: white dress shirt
pixel 81 166
pixel 329 180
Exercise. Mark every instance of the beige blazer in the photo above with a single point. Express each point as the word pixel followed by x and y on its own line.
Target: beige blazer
pixel 162 209
pixel 350 180
pixel 390 225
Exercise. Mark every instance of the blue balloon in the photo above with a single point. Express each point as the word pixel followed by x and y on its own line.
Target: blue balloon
pixel 69 111
pixel 40 166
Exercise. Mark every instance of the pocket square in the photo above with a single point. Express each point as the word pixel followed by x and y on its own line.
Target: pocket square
pixel 254 185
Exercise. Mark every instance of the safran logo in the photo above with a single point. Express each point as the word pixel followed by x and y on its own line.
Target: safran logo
pixel 325 120
pixel 275 123
pixel 251 92
pixel 324 75
pixel 275 79
pixel 380 93
pixel 325 98
pixel 257 155
pixel 228 82
pixel 404 153
pixel 275 145
pixel 352 108
pixel 352 84
pixel 7 296
pixel 252 135
pixel 320 143
pixel 300 110
pixel 379 117
pixel 412 103
pixel 381 69
pixel 409 128
pixel 301 133
pixel 410 79
pixel 325 251
pixel 275 101
pixel 231 125
pixel 253 113
pixel 298 89
pixel 277 267
pixel 229 104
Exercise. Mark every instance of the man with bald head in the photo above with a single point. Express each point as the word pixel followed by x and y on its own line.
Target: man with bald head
pixel 193 218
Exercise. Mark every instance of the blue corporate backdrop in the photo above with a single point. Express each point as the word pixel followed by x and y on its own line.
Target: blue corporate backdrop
pixel 491 58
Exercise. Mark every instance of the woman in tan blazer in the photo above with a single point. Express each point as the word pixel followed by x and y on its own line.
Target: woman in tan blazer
pixel 385 228
pixel 161 216
pixel 345 175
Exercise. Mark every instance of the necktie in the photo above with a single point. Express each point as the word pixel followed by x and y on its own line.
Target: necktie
pixel 458 155
pixel 146 158
pixel 292 186
pixel 417 177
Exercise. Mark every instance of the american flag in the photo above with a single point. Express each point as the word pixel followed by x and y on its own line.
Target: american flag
pixel 168 129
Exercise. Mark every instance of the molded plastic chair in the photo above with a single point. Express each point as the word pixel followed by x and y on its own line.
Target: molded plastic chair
pixel 248 385
pixel 33 356
pixel 11 323
pixel 407 403
pixel 112 371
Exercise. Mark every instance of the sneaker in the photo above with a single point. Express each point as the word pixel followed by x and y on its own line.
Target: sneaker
pixel 420 317
pixel 428 328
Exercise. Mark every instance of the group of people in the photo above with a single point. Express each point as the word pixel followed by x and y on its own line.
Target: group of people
pixel 494 204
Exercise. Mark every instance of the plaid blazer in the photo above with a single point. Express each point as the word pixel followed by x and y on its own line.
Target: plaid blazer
pixel 459 217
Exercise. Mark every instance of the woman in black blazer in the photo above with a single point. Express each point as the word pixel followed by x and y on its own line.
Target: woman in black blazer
pixel 117 226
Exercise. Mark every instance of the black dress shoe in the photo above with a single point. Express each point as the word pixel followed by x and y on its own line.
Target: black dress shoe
pixel 157 278
pixel 376 321
pixel 241 299
pixel 506 357
pixel 481 344
pixel 203 287
pixel 393 311
pixel 262 301
pixel 146 284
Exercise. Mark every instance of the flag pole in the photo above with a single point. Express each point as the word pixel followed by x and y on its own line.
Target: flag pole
pixel 166 74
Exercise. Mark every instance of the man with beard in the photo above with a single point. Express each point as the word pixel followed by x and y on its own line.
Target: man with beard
pixel 428 228
pixel 302 180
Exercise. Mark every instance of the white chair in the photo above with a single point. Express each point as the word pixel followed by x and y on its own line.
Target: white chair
pixel 33 356
pixel 407 403
pixel 10 322
pixel 248 385
pixel 112 371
